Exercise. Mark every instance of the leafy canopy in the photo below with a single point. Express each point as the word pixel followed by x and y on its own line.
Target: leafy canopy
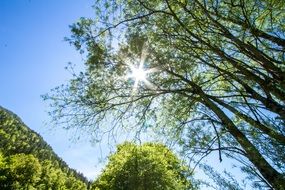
pixel 215 77
pixel 149 166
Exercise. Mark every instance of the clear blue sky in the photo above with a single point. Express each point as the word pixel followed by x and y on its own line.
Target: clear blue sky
pixel 33 55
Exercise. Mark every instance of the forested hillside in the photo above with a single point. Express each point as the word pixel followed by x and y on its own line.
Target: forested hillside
pixel 28 162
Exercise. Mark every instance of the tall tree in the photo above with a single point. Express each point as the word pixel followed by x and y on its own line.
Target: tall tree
pixel 145 167
pixel 208 73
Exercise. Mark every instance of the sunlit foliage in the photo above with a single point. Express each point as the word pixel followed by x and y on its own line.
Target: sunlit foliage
pixel 149 166
pixel 218 86
pixel 28 162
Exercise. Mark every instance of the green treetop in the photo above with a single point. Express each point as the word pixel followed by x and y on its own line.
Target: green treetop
pixel 143 167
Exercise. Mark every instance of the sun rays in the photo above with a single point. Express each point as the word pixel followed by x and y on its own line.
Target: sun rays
pixel 139 73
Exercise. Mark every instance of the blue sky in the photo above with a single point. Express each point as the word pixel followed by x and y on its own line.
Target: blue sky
pixel 33 55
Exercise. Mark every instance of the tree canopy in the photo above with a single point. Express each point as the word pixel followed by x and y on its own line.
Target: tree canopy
pixel 20 171
pixel 213 77
pixel 143 167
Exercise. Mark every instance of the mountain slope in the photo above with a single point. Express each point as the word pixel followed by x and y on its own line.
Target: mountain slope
pixel 17 141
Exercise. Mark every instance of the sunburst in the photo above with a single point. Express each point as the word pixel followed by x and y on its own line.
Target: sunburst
pixel 139 73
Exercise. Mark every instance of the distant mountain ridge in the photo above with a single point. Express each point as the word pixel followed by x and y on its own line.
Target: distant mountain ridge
pixel 17 138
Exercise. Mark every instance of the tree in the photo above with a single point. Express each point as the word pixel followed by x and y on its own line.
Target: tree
pixel 52 177
pixel 20 171
pixel 214 77
pixel 143 167
pixel 225 181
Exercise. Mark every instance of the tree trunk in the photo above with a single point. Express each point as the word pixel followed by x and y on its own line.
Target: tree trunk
pixel 266 130
pixel 267 171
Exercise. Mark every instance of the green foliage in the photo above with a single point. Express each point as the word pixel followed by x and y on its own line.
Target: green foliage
pixel 149 166
pixel 28 162
pixel 20 171
pixel 217 82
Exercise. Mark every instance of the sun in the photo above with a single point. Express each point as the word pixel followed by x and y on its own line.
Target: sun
pixel 139 74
